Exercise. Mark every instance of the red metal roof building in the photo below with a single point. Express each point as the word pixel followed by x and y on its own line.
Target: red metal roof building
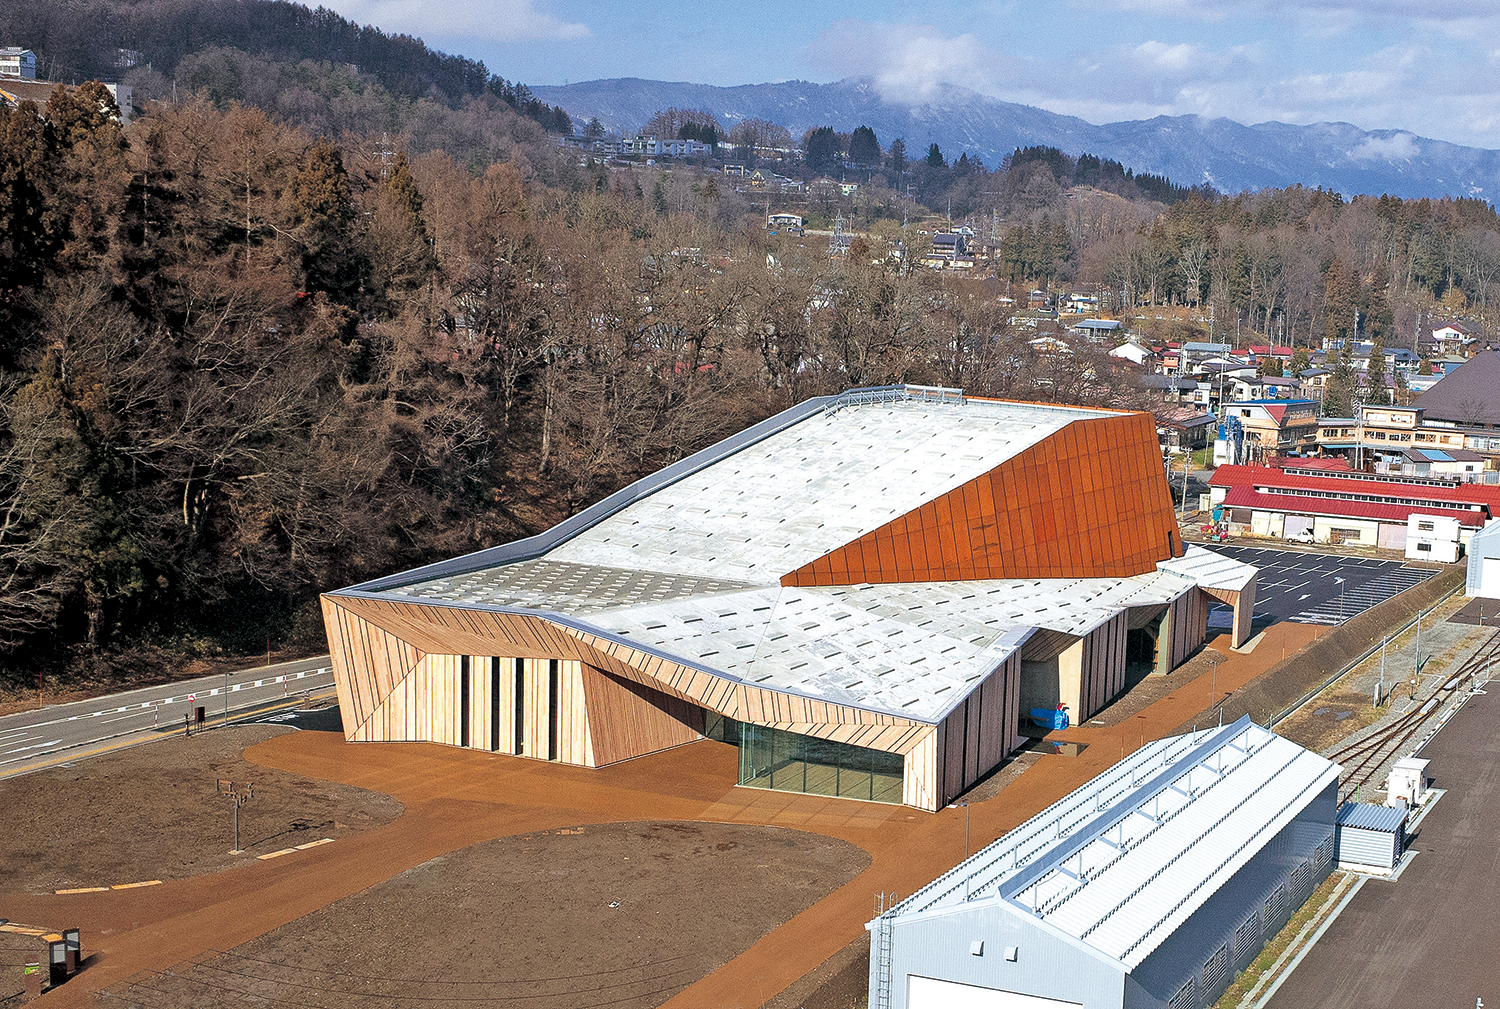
pixel 1374 510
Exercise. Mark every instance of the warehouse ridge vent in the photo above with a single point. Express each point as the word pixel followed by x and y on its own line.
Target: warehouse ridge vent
pixel 1150 886
pixel 865 594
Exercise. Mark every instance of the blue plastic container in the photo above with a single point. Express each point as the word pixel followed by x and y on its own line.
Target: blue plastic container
pixel 1049 718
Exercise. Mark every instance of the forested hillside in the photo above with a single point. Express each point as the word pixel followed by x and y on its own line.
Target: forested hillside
pixel 241 363
pixel 310 67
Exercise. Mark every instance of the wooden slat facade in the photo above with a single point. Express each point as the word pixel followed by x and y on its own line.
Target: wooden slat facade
pixel 591 701
pixel 979 733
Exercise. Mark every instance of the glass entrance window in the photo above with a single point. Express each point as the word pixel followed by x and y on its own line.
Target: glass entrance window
pixel 790 762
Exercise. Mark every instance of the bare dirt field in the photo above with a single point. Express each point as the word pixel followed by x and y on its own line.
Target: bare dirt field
pixel 150 812
pixel 617 914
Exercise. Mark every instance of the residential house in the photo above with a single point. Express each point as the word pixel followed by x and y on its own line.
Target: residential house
pixel 1447 364
pixel 1098 329
pixel 1452 336
pixel 1458 464
pixel 1262 354
pixel 17 62
pixel 1196 351
pixel 1184 429
pixel 1275 426
pixel 1248 387
pixel 1133 352
pixel 1171 388
pixel 15 90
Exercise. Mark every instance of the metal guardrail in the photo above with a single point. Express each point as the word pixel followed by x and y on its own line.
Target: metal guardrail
pixel 893 394
pixel 1352 665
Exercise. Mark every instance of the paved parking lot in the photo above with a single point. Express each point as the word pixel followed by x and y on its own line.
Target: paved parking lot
pixel 1430 937
pixel 1305 587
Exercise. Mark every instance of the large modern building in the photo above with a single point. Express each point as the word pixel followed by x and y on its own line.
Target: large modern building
pixel 866 593
pixel 1150 886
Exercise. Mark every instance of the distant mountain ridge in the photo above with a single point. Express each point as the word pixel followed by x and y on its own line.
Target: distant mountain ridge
pixel 1189 150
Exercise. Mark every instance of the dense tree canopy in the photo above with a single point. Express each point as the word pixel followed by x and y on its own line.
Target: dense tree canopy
pixel 245 357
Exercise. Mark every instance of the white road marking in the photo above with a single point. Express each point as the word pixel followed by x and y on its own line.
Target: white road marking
pixel 33 746
pixel 133 714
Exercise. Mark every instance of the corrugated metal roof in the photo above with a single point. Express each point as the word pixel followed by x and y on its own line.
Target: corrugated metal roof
pixel 1366 816
pixel 690 567
pixel 1123 861
pixel 1352 483
pixel 1298 504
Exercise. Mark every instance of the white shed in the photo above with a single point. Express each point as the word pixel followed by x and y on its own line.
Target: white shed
pixel 1148 887
pixel 1407 783
pixel 1432 538
pixel 1369 837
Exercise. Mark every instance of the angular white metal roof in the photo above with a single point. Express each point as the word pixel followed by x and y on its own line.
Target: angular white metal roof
pixel 789 499
pixel 1123 861
pixel 689 566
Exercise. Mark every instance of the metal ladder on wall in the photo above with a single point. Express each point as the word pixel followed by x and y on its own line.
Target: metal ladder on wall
pixel 880 998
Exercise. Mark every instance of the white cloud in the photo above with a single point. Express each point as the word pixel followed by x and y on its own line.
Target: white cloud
pixel 1395 88
pixel 1398 147
pixel 906 62
pixel 490 20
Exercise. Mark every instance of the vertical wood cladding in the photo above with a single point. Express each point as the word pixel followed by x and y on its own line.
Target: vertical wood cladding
pixel 1088 502
pixel 628 719
pixel 977 734
pixel 611 702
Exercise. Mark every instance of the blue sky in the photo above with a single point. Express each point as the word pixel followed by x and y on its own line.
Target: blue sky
pixel 1429 67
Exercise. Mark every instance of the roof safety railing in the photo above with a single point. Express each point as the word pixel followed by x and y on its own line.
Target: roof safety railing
pixel 893 394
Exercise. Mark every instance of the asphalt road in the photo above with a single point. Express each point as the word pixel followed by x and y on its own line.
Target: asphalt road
pixel 1304 587
pixel 1429 938
pixel 31 740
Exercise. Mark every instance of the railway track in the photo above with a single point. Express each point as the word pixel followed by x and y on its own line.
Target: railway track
pixel 1363 759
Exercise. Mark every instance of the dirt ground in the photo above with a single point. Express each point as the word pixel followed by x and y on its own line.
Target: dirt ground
pixel 150 812
pixel 1346 707
pixel 618 914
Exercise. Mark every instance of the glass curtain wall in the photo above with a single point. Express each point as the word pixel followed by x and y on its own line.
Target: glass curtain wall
pixel 789 762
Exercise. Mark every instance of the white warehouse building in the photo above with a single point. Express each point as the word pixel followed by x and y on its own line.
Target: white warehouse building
pixel 1150 886
pixel 1483 575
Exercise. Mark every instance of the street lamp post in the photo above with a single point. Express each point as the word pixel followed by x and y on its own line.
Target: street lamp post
pixel 1341 599
pixel 965 805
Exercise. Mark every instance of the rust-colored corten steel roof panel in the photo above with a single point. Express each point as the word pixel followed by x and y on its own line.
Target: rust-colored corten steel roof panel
pixel 1088 502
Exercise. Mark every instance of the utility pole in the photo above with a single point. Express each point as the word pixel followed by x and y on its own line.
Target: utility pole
pixel 1416 659
pixel 1380 686
pixel 239 794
